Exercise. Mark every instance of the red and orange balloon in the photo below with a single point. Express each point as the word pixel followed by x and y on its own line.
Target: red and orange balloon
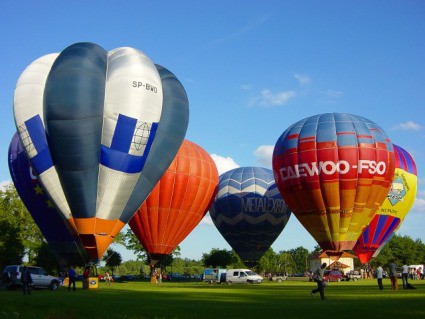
pixel 177 203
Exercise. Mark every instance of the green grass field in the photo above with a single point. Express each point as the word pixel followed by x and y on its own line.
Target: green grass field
pixel 289 299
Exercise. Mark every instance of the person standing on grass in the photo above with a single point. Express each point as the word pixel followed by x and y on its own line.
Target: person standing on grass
pixel 392 272
pixel 379 276
pixel 107 279
pixel 26 280
pixel 419 273
pixel 318 278
pixel 404 274
pixel 71 278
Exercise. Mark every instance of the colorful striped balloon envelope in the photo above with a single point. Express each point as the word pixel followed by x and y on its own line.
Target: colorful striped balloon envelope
pixel 334 170
pixel 391 214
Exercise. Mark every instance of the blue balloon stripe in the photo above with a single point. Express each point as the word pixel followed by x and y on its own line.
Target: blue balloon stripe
pixel 124 162
pixel 123 135
pixel 346 140
pixel 151 138
pixel 258 182
pixel 120 161
pixel 394 223
pixel 36 132
pixel 326 132
pixel 405 160
pixel 382 220
pixel 43 160
pixel 241 183
pixel 366 234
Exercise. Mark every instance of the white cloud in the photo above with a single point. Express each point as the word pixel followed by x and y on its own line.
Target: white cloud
pixel 264 155
pixel 224 164
pixel 267 98
pixel 302 79
pixel 246 87
pixel 408 126
pixel 3 184
pixel 419 205
pixel 279 98
pixel 206 221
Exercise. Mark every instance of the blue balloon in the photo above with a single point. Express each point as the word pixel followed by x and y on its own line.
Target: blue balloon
pixel 249 211
pixel 66 247
pixel 99 128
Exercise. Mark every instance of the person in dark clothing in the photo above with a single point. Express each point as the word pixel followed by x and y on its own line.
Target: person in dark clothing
pixel 86 275
pixel 318 277
pixel 71 278
pixel 26 281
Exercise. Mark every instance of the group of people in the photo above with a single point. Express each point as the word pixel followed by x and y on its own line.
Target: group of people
pixel 405 274
pixel 366 272
pixel 318 275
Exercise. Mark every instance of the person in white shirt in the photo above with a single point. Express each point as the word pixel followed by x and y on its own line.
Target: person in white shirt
pixel 404 275
pixel 379 276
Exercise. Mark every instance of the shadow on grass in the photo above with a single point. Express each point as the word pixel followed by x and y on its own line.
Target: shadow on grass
pixel 199 300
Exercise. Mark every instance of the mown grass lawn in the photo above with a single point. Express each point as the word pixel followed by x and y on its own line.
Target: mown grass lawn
pixel 289 299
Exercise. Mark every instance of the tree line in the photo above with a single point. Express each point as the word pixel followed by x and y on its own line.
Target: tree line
pixel 20 237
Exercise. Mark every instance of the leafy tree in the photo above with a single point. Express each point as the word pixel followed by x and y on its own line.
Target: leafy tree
pixel 286 264
pixel 402 248
pixel 11 248
pixel 112 259
pixel 237 261
pixel 14 220
pixel 133 243
pixel 132 267
pixel 268 263
pixel 130 240
pixel 120 239
pixel 300 258
pixel 186 266
pixel 218 258
pixel 296 260
pixel 46 259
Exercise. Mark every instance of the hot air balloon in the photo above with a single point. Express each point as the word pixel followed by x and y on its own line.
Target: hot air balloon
pixel 65 246
pixel 334 170
pixel 99 129
pixel 249 212
pixel 391 214
pixel 177 203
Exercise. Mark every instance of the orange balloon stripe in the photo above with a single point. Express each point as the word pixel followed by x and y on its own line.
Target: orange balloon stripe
pixel 97 234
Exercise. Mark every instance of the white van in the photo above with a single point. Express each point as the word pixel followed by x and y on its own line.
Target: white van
pixel 242 276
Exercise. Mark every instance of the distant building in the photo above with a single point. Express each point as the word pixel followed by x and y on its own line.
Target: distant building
pixel 338 260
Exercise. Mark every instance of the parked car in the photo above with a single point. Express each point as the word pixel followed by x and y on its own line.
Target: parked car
pixel 353 275
pixel 333 275
pixel 242 276
pixel 39 277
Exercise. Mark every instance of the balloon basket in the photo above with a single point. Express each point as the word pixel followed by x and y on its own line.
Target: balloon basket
pixel 91 283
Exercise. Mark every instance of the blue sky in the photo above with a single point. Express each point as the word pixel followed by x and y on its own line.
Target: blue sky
pixel 250 69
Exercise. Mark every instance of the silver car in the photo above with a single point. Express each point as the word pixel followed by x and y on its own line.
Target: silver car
pixel 39 277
